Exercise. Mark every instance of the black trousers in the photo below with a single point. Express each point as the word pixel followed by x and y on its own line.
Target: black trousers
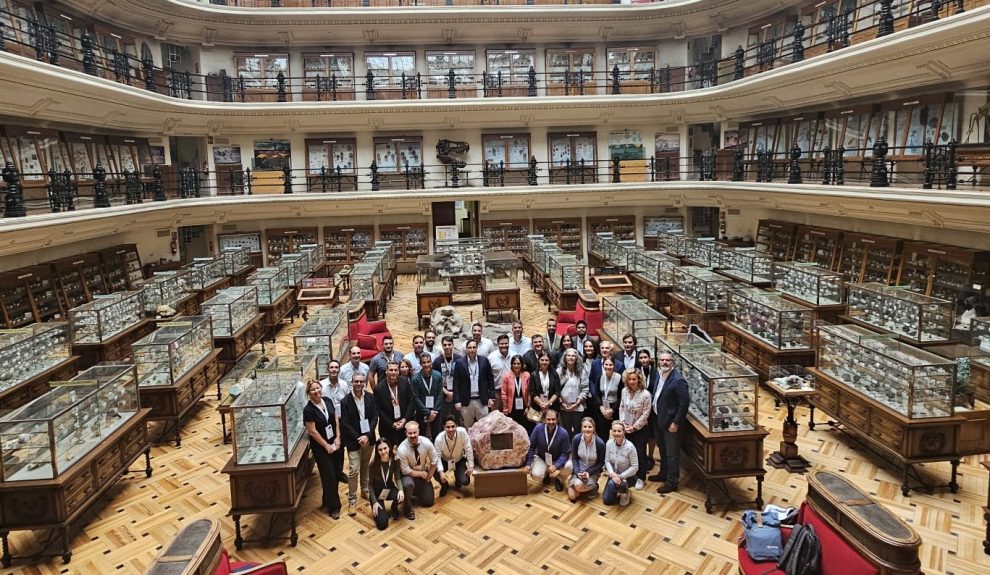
pixel 460 472
pixel 328 477
pixel 338 464
pixel 638 439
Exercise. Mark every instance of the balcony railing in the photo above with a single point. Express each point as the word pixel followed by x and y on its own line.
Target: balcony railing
pixel 399 3
pixel 926 167
pixel 45 43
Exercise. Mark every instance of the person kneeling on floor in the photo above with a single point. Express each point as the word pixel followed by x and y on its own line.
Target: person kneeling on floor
pixel 621 464
pixel 418 460
pixel 456 454
pixel 549 452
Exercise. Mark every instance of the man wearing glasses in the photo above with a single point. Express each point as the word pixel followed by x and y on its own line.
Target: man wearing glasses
pixel 670 404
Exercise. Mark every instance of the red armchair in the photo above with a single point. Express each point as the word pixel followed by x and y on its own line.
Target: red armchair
pixel 368 335
pixel 589 311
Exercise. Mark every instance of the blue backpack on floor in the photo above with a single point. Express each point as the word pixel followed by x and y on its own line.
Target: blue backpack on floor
pixel 762 535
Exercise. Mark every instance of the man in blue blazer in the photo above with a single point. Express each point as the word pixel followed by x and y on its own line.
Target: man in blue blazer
pixel 549 454
pixel 670 405
pixel 474 388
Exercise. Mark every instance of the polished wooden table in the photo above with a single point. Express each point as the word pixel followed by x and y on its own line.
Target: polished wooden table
pixel 787 456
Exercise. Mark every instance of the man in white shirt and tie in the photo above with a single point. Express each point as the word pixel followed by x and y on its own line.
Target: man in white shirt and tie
pixel 418 460
pixel 456 453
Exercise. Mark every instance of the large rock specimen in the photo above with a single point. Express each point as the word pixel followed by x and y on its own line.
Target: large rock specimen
pixel 502 454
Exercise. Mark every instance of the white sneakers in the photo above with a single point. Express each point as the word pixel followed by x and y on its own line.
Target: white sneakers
pixel 639 485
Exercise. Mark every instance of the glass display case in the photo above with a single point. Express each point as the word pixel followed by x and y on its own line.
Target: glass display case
pixel 792 377
pixel 672 242
pixel 166 288
pixel 903 312
pixel 532 241
pixel 166 355
pixel 231 309
pixel 702 287
pixel 746 264
pixel 429 276
pixel 654 266
pixel 908 380
pixel 701 251
pixel 106 316
pixel 324 335
pixel 315 253
pixel 500 270
pixel 387 248
pixel 771 318
pixel 44 438
pixel 968 385
pixel 460 245
pixel 620 253
pixel 624 314
pixel 722 390
pixel 271 284
pixel 542 253
pixel 598 243
pixel 567 271
pixel 980 332
pixel 267 417
pixel 235 260
pixel 364 280
pixel 26 352
pixel 295 268
pixel 808 282
pixel 204 272
pixel 379 257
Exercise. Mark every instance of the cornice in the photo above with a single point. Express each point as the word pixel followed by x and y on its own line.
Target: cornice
pixel 947 53
pixel 956 210
pixel 186 22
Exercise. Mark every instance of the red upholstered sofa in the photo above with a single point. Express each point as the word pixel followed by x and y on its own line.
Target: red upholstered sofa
pixel 197 548
pixel 368 335
pixel 590 312
pixel 838 556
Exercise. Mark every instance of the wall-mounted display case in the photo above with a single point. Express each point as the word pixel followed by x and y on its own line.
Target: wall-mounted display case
pixel 205 272
pixel 819 245
pixel 808 283
pixel 701 252
pixel 16 305
pixel 27 352
pixel 270 282
pixel 121 267
pixel 246 240
pixel 409 240
pixel 346 245
pixel 723 391
pixel 506 235
pixel 747 265
pixel 166 355
pixel 46 437
pixel 653 226
pixel 914 317
pixel 868 258
pixel 910 381
pixel 80 279
pixel 106 316
pixel 944 272
pixel 236 261
pixel 782 324
pixel 283 241
pixel 624 314
pixel 565 232
pixel 701 287
pixel 267 417
pixel 776 238
pixel 231 309
pixel 166 288
pixel 324 335
pixel 981 332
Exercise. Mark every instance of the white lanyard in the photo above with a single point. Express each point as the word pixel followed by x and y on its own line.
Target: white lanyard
pixel 547 435
pixel 428 386
pixel 386 468
pixel 545 382
pixel 394 394
pixel 608 385
pixel 518 387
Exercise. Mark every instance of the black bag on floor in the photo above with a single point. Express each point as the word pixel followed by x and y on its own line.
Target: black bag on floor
pixel 803 552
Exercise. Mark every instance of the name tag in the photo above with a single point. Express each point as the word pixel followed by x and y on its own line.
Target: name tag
pixel 519 403
pixel 329 432
pixel 396 412
pixel 448 382
pixel 429 402
pixel 450 464
pixel 548 458
pixel 365 426
pixel 383 496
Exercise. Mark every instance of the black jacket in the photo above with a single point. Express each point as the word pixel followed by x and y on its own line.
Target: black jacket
pixel 535 387
pixel 350 420
pixel 672 405
pixel 462 381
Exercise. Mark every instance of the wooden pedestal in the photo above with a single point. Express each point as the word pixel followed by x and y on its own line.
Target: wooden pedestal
pixel 233 348
pixel 23 392
pixel 54 504
pixel 427 302
pixel 269 488
pixel 760 355
pixel 724 455
pixel 277 311
pixel 658 296
pixel 711 321
pixel 501 300
pixel 115 348
pixel 170 403
pixel 500 482
pixel 787 457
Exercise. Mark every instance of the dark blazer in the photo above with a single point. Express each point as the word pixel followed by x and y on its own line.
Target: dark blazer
pixel 407 406
pixel 652 379
pixel 350 420
pixel 531 361
pixel 672 405
pixel 535 387
pixel 559 448
pixel 420 393
pixel 462 381
pixel 595 469
pixel 594 383
pixel 313 413
pixel 595 375
pixel 551 341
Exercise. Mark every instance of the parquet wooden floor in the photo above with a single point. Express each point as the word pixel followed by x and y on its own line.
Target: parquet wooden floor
pixel 540 532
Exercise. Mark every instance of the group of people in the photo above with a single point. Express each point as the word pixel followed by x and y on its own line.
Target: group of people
pixel 589 408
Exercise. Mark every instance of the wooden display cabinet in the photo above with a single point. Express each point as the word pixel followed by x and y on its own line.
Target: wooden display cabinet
pixel 724 455
pixel 17 395
pixel 249 240
pixel 280 241
pixel 44 290
pixel 712 321
pixel 819 245
pixel 234 347
pixel 944 272
pixel 565 232
pixel 79 279
pixel 622 227
pixel 15 300
pixel 776 238
pixel 410 240
pixel 121 267
pixel 278 310
pixel 506 235
pixel 347 245
pixel 170 403
pixel 760 355
pixel 116 348
pixel 324 156
pixel 869 258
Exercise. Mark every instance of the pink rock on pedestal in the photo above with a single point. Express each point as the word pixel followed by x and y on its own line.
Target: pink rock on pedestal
pixel 510 442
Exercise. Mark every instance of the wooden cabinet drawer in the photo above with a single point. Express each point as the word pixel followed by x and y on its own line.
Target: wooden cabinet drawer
pixel 887 431
pixel 826 398
pixel 854 414
pixel 79 489
pixel 108 465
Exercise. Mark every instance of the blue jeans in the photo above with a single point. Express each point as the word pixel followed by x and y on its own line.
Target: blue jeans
pixel 611 494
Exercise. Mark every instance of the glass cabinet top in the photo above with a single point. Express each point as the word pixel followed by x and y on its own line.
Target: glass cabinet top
pixel 172 331
pixel 65 397
pixel 768 298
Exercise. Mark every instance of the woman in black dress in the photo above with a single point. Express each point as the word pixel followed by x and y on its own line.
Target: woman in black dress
pixel 323 427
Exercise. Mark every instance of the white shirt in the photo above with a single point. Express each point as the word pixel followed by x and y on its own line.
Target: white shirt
pixel 486 347
pixel 457 448
pixel 656 394
pixel 435 352
pixel 335 393
pixel 500 366
pixel 359 402
pixel 418 458
pixel 414 360
pixel 521 347
pixel 348 370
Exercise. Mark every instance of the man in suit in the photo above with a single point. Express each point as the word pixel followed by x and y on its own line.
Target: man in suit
pixel 474 388
pixel 549 452
pixel 358 420
pixel 595 375
pixel 670 405
pixel 628 355
pixel 444 365
pixel 580 334
pixel 395 404
pixel 531 359
pixel 551 340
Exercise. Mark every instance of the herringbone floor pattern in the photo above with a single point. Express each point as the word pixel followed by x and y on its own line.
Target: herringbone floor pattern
pixel 540 532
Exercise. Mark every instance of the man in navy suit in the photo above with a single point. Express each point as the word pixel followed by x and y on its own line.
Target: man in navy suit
pixel 607 350
pixel 474 388
pixel 670 405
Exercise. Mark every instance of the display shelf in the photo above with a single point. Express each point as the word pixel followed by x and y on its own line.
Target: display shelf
pixel 409 240
pixel 701 286
pixel 271 283
pixel 652 276
pixel 506 234
pixel 231 309
pixel 249 240
pixel 294 266
pixel 279 241
pixel 114 348
pixel 625 314
pixel 324 335
pixel 79 279
pixel 915 318
pixel 972 372
pixel 45 292
pixel 565 279
pixel 622 228
pixel 31 357
pixel 746 265
pixel 207 277
pixel 944 272
pixel 237 264
pixel 15 300
pixel 781 324
pixel 499 288
pixel 869 258
pixel 317 258
pixel 276 312
pixel 121 267
pixel 819 245
pixel 653 226
pixel 565 232
pixel 346 245
pixel 672 243
pixel 171 289
pixel 267 416
pixel 776 238
pixel 106 316
pixel 702 252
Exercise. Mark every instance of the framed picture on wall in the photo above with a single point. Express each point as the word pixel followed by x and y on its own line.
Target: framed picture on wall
pixel 157 154
pixel 226 154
